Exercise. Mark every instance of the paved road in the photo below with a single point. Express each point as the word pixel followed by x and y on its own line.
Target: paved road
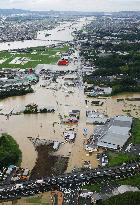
pixel 67 182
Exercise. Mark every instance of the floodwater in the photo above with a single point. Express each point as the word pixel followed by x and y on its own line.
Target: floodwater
pixel 59 34
pixel 23 126
pixel 41 125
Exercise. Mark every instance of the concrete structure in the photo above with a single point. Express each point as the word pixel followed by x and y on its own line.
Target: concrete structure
pixel 97 91
pixel 94 117
pixel 53 68
pixel 124 188
pixel 116 134
pixel 70 135
pixel 113 135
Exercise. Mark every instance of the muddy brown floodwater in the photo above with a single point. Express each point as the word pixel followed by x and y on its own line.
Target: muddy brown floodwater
pixel 23 126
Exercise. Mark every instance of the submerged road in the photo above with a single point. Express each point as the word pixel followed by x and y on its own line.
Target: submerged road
pixel 67 181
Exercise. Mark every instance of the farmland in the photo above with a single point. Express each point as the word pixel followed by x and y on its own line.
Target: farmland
pixel 31 58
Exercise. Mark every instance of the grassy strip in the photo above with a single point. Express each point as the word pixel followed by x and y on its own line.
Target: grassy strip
pixel 133 181
pixel 136 131
pixel 120 158
pixel 92 187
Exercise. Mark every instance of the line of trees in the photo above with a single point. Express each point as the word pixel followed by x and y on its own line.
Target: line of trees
pixel 15 92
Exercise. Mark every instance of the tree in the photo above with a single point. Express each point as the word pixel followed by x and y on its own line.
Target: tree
pixel 9 151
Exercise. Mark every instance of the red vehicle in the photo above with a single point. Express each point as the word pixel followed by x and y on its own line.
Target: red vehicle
pixel 63 62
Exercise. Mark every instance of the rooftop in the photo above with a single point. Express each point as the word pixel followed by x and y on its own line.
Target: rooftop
pixel 113 134
pixel 117 132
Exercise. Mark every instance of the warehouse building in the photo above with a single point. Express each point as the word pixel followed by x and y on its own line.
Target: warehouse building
pixel 113 135
pixel 116 133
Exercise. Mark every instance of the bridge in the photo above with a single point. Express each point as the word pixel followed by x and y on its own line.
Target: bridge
pixel 72 180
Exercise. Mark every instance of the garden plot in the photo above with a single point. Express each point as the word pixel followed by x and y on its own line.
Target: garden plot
pixel 20 60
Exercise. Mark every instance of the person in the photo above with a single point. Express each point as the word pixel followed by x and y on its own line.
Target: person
pixel 85 131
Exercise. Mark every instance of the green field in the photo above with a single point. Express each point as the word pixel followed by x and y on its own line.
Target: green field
pixel 133 181
pixel 136 131
pixel 32 200
pixel 39 55
pixel 128 198
pixel 92 187
pixel 116 158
